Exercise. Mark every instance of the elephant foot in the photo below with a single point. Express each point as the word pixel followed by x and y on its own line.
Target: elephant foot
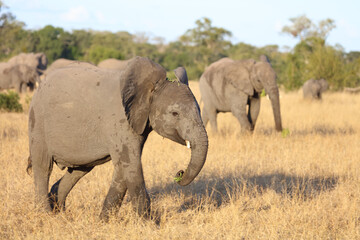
pixel 55 206
pixel 104 216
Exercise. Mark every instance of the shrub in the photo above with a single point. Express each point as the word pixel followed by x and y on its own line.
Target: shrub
pixel 10 102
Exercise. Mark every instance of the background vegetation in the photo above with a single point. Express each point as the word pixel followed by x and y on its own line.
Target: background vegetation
pixel 312 57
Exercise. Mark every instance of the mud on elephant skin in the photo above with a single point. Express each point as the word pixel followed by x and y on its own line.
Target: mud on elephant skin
pixel 111 120
pixel 229 86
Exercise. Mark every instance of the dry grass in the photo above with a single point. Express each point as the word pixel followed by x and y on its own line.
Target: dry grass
pixel 263 186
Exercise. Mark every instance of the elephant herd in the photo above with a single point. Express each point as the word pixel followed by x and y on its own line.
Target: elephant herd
pixel 25 71
pixel 84 115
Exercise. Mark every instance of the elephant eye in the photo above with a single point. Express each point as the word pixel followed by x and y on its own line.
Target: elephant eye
pixel 175 114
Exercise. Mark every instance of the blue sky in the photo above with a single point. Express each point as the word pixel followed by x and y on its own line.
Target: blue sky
pixel 255 22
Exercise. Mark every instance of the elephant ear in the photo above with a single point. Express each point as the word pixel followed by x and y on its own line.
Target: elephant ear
pixel 238 75
pixel 181 75
pixel 264 58
pixel 7 70
pixel 42 60
pixel 138 83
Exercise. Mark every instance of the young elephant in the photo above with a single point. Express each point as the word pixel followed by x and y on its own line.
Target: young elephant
pixel 229 86
pixel 17 77
pixel 83 116
pixel 313 89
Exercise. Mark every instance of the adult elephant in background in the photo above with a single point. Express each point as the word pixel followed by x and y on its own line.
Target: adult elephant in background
pixel 59 63
pixel 313 89
pixel 113 63
pixel 110 120
pixel 229 86
pixel 18 77
pixel 37 61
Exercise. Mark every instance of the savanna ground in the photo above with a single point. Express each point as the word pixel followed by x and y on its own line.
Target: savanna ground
pixel 305 185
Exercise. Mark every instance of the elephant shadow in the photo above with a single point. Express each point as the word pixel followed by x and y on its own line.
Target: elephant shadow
pixel 219 191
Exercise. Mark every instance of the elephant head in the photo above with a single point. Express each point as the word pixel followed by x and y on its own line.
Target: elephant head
pixel 37 61
pixel 323 85
pixel 166 106
pixel 42 61
pixel 22 76
pixel 263 76
pixel 30 76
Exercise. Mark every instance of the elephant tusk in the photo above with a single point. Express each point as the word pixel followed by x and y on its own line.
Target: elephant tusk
pixel 187 144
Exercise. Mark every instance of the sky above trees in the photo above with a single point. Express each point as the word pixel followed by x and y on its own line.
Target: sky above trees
pixel 257 22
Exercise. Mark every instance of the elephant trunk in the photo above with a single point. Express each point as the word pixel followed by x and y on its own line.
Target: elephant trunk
pixel 199 148
pixel 275 103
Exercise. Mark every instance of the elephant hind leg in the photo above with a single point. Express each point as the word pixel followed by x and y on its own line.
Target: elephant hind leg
pixel 63 186
pixel 42 165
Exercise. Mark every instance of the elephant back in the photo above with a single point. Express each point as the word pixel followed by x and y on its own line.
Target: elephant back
pixel 113 63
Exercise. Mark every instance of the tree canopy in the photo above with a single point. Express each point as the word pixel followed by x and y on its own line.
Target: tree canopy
pixel 198 47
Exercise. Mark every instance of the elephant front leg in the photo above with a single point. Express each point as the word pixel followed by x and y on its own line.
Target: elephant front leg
pixel 254 109
pixel 128 176
pixel 238 109
pixel 62 187
pixel 136 185
pixel 116 192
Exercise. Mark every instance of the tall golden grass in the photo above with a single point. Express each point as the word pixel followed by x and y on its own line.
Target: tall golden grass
pixel 305 185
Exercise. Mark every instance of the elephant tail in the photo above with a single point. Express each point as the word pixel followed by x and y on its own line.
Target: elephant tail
pixel 29 166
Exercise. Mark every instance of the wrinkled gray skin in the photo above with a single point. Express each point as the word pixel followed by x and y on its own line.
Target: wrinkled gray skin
pixel 37 61
pixel 113 63
pixel 83 116
pixel 313 89
pixel 18 77
pixel 229 86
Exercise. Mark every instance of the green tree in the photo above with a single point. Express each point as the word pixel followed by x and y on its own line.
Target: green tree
pixel 303 28
pixel 13 38
pixel 311 57
pixel 208 43
pixel 54 42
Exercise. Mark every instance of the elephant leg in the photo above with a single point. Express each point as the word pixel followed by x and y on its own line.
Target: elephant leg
pixel 116 192
pixel 134 178
pixel 209 113
pixel 63 186
pixel 205 117
pixel 136 185
pixel 238 109
pixel 254 109
pixel 42 167
pixel 23 88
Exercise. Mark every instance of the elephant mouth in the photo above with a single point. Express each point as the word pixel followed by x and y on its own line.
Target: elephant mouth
pixel 177 138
